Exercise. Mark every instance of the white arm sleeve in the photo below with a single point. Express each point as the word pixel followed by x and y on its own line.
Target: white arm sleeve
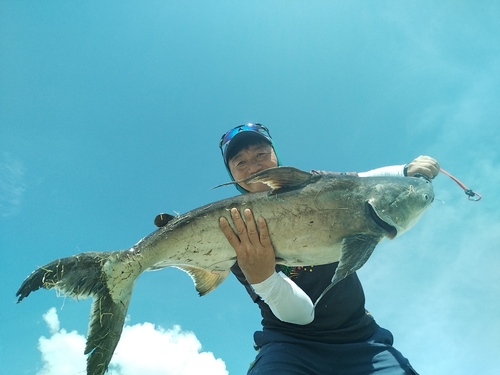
pixel 285 298
pixel 393 170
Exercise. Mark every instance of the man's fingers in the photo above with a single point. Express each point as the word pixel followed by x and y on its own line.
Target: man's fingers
pixel 232 238
pixel 241 228
pixel 430 164
pixel 253 234
pixel 425 165
pixel 265 240
pixel 249 232
pixel 435 168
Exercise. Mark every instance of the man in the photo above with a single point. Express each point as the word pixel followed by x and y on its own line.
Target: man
pixel 339 336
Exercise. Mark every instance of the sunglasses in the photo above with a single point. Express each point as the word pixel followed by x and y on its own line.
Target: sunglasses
pixel 227 137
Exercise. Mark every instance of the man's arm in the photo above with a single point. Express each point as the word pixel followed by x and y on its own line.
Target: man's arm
pixel 422 165
pixel 288 302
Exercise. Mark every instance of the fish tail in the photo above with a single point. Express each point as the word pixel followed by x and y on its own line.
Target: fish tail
pixel 82 276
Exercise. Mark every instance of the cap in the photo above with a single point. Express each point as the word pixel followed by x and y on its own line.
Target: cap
pixel 232 139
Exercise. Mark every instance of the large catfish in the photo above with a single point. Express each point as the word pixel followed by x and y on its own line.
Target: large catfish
pixel 312 219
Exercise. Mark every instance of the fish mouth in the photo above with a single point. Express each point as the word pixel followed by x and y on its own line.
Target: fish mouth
pixel 391 231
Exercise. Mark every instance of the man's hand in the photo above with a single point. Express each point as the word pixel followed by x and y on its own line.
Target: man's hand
pixel 253 247
pixel 424 165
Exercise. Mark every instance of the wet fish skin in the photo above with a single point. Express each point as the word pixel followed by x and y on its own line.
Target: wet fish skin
pixel 312 219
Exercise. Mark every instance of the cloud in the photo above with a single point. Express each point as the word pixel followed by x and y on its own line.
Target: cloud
pixel 62 353
pixel 52 320
pixel 12 186
pixel 146 349
pixel 143 349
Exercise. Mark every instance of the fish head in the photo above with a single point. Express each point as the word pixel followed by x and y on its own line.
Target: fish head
pixel 397 205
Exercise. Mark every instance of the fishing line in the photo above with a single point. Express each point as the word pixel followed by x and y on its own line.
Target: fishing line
pixel 472 195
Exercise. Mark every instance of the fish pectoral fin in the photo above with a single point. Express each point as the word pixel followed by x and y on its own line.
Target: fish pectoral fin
pixel 205 280
pixel 280 178
pixel 355 251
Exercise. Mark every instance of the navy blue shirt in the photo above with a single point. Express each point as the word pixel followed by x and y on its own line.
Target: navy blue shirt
pixel 340 316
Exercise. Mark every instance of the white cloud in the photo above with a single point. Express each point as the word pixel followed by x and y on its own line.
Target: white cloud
pixel 62 353
pixel 12 186
pixel 146 349
pixel 143 349
pixel 52 320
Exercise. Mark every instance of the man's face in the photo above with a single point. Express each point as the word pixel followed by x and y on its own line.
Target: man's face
pixel 251 160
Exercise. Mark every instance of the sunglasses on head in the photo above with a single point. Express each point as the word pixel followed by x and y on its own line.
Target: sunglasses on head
pixel 227 137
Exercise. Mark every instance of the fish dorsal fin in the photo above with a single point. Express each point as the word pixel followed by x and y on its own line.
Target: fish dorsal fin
pixel 162 219
pixel 276 178
pixel 280 178
pixel 205 280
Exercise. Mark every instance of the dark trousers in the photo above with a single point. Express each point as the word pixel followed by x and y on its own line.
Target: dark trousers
pixel 282 354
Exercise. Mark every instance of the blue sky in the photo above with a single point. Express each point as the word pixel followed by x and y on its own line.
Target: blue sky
pixel 111 111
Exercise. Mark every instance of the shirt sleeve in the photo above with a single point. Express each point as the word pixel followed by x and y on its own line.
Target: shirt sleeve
pixel 288 302
pixel 393 170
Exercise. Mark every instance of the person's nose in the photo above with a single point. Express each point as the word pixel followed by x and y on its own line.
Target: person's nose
pixel 255 166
